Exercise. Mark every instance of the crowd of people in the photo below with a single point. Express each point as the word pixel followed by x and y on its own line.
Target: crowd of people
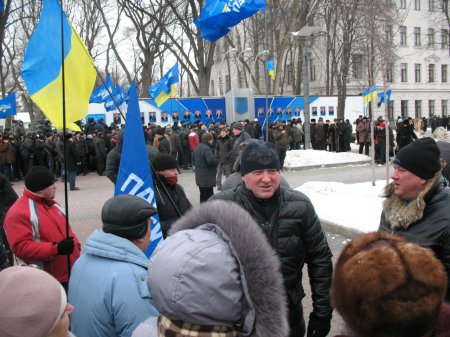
pixel 232 265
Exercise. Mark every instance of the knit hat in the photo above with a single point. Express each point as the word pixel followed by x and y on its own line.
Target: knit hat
pixel 39 178
pixel 206 137
pixel 421 157
pixel 32 302
pixel 217 269
pixel 385 286
pixel 126 216
pixel 238 126
pixel 258 156
pixel 164 161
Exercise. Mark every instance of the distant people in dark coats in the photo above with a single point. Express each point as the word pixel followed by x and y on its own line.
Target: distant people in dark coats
pixel 205 167
pixel 405 134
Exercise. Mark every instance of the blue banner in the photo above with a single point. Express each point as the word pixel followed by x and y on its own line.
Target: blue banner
pixel 119 98
pixel 134 175
pixel 101 94
pixel 8 105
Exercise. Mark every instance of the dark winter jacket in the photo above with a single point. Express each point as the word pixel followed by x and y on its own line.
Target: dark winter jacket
pixel 224 147
pixel 27 148
pixel 71 156
pixel 242 137
pixel 164 145
pixel 295 233
pixel 166 211
pixel 100 147
pixel 7 198
pixel 281 138
pixel 424 221
pixel 405 135
pixel 205 165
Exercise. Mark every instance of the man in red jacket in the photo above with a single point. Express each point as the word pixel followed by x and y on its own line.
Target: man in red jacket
pixel 35 226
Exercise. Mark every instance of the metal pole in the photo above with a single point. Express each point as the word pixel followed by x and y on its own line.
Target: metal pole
pixel 306 96
pixel 266 75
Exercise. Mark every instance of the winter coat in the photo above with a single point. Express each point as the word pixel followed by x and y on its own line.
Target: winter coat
pixel 113 159
pixel 281 139
pixel 72 157
pixel 7 198
pixel 444 147
pixel 320 133
pixel 39 153
pixel 250 130
pixel 166 211
pixel 193 140
pixel 424 221
pixel 205 165
pixel 175 144
pixel 223 150
pixel 363 131
pixel 33 226
pixel 50 148
pixel 164 145
pixel 7 155
pixel 242 137
pixel 100 147
pixel 295 233
pixel 108 286
pixel 27 148
pixel 405 135
pixel 81 146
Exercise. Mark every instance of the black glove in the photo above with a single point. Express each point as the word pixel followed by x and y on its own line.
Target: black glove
pixel 66 246
pixel 318 327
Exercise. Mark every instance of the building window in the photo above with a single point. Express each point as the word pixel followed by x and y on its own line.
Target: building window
pixel 444 107
pixel 430 37
pixel 402 35
pixel 404 108
pixel 431 73
pixel 418 109
pixel 289 74
pixel 417 72
pixel 417 5
pixel 444 38
pixel 403 4
pixel 312 70
pixel 431 5
pixel 388 33
pixel 391 110
pixel 444 68
pixel 403 72
pixel 416 36
pixel 357 67
pixel 431 107
pixel 389 72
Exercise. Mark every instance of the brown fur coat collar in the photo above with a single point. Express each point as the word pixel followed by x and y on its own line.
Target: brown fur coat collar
pixel 399 215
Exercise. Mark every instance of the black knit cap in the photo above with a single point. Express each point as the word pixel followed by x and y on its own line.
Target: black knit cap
pixel 163 162
pixel 421 157
pixel 259 156
pixel 126 216
pixel 39 178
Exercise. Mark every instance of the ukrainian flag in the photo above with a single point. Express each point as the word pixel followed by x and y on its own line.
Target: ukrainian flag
pixel 42 68
pixel 367 97
pixel 165 88
pixel 271 69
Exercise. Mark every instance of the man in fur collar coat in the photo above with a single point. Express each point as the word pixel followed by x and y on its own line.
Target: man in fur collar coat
pixel 416 204
pixel 293 229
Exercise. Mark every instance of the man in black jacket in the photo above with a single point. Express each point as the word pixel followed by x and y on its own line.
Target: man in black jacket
pixel 292 227
pixel 416 205
pixel 171 201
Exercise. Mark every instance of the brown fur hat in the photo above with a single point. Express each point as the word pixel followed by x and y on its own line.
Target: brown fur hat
pixel 386 286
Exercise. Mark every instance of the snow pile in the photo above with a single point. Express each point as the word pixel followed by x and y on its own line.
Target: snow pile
pixel 300 158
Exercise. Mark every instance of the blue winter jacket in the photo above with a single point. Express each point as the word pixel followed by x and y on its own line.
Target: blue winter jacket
pixel 108 287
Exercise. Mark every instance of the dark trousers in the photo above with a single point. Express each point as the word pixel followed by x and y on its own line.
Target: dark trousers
pixel 281 156
pixel 296 319
pixel 205 193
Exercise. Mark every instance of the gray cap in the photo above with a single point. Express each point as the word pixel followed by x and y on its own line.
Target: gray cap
pixel 238 126
pixel 126 216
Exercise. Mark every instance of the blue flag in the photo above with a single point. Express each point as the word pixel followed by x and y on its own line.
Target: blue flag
pixel 101 94
pixel 119 98
pixel 2 6
pixel 8 105
pixel 165 88
pixel 381 96
pixel 218 17
pixel 134 175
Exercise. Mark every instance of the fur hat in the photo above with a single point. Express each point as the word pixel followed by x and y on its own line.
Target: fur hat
pixel 39 178
pixel 32 302
pixel 386 286
pixel 164 161
pixel 126 216
pixel 238 126
pixel 217 268
pixel 258 156
pixel 421 157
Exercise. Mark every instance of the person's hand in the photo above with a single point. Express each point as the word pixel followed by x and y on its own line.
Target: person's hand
pixel 318 326
pixel 66 246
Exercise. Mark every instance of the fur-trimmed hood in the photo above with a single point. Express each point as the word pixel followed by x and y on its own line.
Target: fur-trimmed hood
pixel 399 215
pixel 259 263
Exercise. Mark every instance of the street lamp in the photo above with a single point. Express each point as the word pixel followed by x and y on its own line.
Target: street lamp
pixel 263 53
pixel 232 50
pixel 305 33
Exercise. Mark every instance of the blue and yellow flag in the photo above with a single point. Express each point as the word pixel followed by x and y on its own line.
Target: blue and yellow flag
pixel 367 96
pixel 101 94
pixel 42 68
pixel 8 105
pixel 271 69
pixel 134 176
pixel 218 17
pixel 165 88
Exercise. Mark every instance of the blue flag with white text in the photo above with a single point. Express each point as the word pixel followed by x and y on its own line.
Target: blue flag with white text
pixel 101 94
pixel 381 97
pixel 8 105
pixel 119 98
pixel 134 175
pixel 218 17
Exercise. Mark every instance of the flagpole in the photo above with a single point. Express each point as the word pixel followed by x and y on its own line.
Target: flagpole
pixel 66 195
pixel 266 44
